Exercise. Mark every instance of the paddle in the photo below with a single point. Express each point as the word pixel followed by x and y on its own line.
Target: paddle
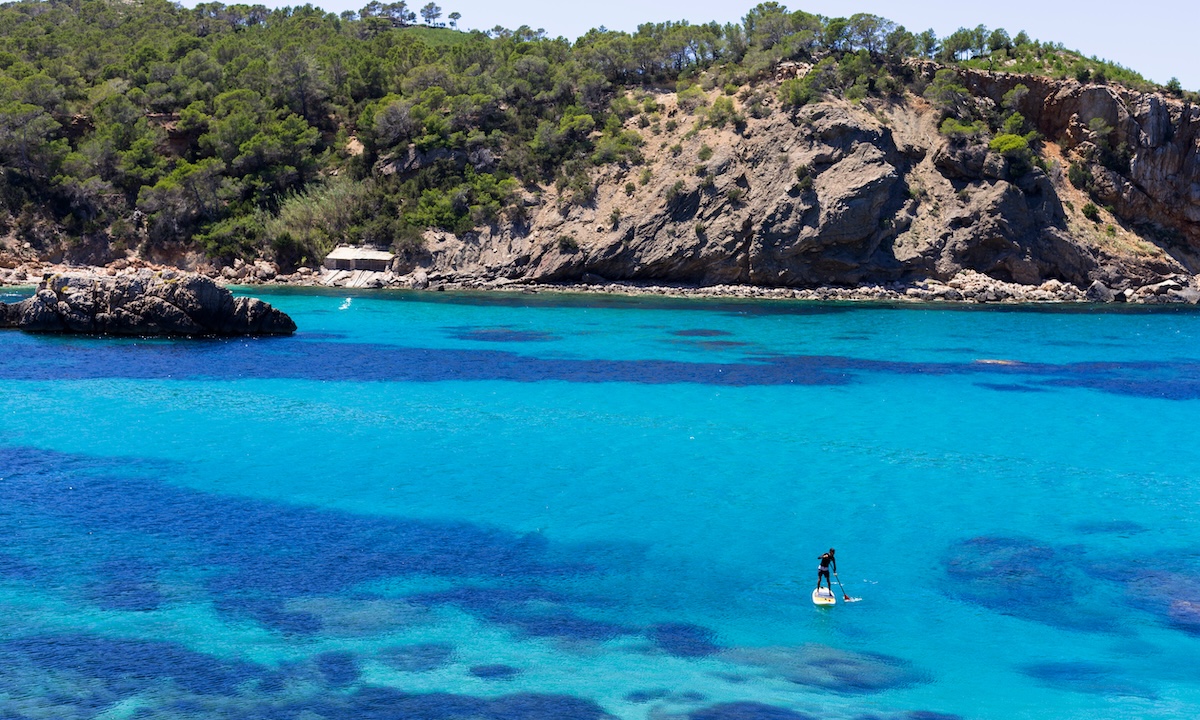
pixel 845 597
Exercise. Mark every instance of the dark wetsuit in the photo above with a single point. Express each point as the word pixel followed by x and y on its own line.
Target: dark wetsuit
pixel 823 568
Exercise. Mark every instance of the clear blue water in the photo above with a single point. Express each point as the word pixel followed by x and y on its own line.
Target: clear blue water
pixel 428 506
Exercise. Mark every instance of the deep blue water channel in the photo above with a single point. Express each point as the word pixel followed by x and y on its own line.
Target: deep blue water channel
pixel 442 506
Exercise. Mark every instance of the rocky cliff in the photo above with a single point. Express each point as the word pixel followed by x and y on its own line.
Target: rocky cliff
pixel 871 193
pixel 145 304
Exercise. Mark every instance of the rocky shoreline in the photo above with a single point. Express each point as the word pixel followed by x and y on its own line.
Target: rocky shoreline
pixel 965 287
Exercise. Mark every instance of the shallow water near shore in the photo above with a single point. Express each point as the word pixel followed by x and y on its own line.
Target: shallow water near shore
pixel 510 506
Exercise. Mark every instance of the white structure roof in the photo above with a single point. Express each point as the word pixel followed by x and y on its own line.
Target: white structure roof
pixel 346 252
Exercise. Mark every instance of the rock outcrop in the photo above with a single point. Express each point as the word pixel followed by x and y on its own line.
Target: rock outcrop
pixel 1142 149
pixel 145 304
pixel 841 194
pixel 8 315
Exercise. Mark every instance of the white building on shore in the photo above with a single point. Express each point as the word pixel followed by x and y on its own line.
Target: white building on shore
pixel 346 257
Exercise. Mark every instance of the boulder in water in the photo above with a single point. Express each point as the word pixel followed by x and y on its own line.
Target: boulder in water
pixel 145 304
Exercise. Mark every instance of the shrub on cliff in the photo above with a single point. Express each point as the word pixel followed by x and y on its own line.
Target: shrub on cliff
pixel 618 146
pixel 798 92
pixel 960 130
pixel 691 98
pixel 1015 149
pixel 1010 146
pixel 949 95
pixel 722 112
pixel 1080 176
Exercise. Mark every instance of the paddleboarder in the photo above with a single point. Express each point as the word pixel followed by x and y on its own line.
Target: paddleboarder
pixel 826 559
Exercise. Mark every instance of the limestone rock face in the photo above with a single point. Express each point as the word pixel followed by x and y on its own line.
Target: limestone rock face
pixel 1159 138
pixel 861 194
pixel 146 304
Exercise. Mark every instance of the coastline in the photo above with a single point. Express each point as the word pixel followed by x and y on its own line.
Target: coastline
pixel 967 287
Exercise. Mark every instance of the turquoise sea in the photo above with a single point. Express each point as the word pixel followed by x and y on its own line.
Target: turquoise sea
pixel 440 506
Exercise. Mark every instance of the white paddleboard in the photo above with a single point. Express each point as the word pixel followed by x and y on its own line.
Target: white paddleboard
pixel 823 596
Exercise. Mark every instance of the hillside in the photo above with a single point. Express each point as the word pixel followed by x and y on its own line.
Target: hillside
pixel 842 193
pixel 790 150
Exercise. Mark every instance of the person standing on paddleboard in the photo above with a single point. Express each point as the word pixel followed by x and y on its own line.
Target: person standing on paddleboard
pixel 823 569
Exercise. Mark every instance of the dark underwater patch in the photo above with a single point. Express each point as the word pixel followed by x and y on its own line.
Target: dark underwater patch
pixel 701 332
pixel 380 703
pixel 1184 615
pixel 828 668
pixel 1173 596
pixel 683 639
pixel 530 706
pixel 500 334
pixel 1170 388
pixel 1027 579
pixel 1124 528
pixel 1085 677
pixel 1084 343
pixel 1011 387
pixel 126 583
pixel 17 568
pixel 257 555
pixel 494 672
pixel 129 666
pixel 420 657
pixel 268 612
pixel 388 704
pixel 911 715
pixel 747 711
pixel 339 669
pixel 718 344
pixel 641 697
pixel 529 611
pixel 298 358
pixel 357 362
pixel 1069 586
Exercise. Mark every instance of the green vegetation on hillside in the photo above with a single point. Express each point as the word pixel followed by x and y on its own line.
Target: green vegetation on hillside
pixel 246 131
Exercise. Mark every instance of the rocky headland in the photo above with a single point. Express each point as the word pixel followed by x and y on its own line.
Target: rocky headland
pixel 852 199
pixel 833 200
pixel 145 303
